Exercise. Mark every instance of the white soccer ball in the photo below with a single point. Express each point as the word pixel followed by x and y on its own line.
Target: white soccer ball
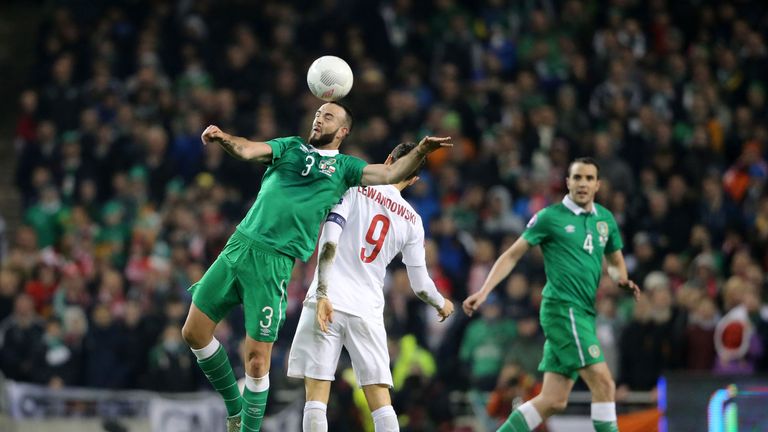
pixel 329 78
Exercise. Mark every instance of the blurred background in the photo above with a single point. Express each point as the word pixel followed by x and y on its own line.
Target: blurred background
pixel 110 207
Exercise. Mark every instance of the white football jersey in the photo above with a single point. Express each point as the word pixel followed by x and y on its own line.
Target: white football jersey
pixel 379 225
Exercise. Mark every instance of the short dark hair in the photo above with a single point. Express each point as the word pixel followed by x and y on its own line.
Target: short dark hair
pixel 403 149
pixel 347 111
pixel 585 161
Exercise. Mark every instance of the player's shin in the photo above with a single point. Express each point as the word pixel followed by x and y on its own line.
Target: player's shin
pixel 385 420
pixel 524 419
pixel 314 417
pixel 254 402
pixel 214 362
pixel 604 417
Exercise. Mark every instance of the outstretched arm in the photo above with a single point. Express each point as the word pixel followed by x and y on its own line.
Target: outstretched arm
pixel 501 269
pixel 424 288
pixel 617 269
pixel 378 174
pixel 238 147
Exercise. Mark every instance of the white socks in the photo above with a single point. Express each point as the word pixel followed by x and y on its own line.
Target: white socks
pixel 257 385
pixel 314 417
pixel 532 417
pixel 207 351
pixel 385 420
pixel 604 411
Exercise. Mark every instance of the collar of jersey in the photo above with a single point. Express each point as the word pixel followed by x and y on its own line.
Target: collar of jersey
pixel 572 206
pixel 324 152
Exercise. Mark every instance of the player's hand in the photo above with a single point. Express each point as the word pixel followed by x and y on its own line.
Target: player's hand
pixel 473 302
pixel 324 314
pixel 445 311
pixel 630 286
pixel 212 134
pixel 429 144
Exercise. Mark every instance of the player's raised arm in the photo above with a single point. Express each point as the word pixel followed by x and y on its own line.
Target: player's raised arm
pixel 501 269
pixel 238 147
pixel 617 269
pixel 379 174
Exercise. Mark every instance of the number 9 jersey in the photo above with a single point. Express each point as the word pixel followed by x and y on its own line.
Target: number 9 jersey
pixel 378 224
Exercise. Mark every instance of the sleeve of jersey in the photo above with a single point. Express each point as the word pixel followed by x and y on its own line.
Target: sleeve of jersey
pixel 413 251
pixel 423 286
pixel 340 212
pixel 353 170
pixel 536 231
pixel 614 238
pixel 279 146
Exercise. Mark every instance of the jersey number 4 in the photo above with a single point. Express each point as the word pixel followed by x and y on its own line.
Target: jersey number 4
pixel 588 244
pixel 377 240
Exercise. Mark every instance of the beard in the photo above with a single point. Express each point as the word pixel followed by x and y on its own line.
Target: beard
pixel 322 140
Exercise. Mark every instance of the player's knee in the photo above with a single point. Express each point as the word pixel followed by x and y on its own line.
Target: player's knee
pixel 191 337
pixel 558 405
pixel 607 387
pixel 257 365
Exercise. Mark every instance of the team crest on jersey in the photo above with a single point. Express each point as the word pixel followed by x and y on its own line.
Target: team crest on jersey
pixel 326 166
pixel 532 222
pixel 594 351
pixel 602 229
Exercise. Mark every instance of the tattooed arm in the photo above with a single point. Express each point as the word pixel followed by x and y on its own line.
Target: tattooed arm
pixel 329 240
pixel 238 147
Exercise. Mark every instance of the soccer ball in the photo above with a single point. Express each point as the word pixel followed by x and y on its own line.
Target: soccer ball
pixel 329 78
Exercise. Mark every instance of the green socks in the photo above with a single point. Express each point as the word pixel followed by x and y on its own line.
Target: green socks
pixel 604 417
pixel 254 402
pixel 515 423
pixel 605 426
pixel 219 372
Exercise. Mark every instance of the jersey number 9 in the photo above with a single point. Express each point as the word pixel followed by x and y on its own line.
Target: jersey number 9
pixel 377 241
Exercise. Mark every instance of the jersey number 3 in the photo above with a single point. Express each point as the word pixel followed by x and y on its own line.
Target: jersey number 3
pixel 371 237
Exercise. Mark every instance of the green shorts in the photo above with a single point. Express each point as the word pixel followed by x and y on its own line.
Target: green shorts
pixel 571 340
pixel 250 274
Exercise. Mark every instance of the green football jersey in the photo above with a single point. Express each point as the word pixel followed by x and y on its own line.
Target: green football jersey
pixel 573 242
pixel 300 186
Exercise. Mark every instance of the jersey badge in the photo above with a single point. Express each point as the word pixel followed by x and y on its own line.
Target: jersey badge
pixel 570 229
pixel 326 166
pixel 602 230
pixel 594 351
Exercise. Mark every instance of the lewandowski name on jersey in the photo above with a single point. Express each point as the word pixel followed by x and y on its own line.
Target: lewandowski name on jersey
pixel 386 202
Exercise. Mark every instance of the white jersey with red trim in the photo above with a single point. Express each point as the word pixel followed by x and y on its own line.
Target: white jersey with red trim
pixel 378 224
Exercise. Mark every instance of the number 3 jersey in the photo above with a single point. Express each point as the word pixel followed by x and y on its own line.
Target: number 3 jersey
pixel 300 186
pixel 573 242
pixel 378 224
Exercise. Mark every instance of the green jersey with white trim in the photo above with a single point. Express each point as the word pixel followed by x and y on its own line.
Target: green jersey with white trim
pixel 573 242
pixel 300 186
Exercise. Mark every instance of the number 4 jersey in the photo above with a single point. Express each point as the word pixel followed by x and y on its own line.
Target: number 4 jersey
pixel 378 224
pixel 573 242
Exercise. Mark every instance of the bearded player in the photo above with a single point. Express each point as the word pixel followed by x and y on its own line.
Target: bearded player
pixel 304 179
pixel 361 236
pixel 574 236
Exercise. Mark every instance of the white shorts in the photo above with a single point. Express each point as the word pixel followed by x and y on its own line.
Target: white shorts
pixel 315 354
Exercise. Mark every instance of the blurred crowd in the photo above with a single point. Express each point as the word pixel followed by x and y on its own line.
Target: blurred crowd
pixel 124 208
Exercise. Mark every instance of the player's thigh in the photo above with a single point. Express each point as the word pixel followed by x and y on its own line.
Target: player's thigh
pixel 263 279
pixel 217 292
pixel 315 354
pixel 366 342
pixel 571 342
